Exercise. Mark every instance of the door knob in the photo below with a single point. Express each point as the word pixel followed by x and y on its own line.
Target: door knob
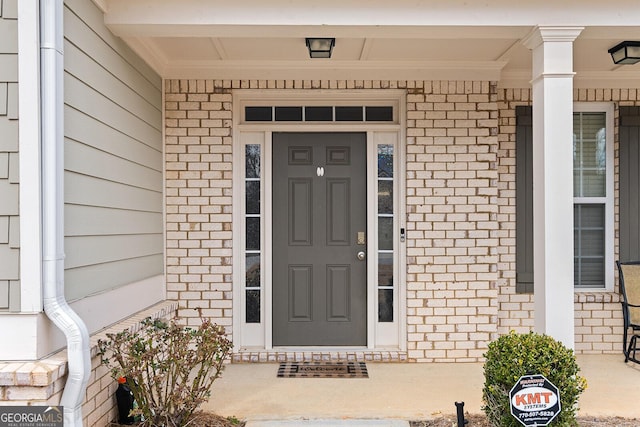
pixel 361 256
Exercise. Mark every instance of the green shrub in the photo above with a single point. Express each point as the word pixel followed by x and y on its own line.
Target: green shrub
pixel 514 355
pixel 169 368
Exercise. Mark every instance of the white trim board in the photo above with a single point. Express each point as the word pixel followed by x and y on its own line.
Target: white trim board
pixel 34 336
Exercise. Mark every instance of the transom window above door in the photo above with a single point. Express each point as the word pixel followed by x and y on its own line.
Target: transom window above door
pixel 320 113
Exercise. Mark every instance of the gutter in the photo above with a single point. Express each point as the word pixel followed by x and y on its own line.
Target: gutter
pixel 52 139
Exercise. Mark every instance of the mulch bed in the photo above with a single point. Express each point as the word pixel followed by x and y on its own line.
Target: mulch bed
pixel 212 420
pixel 205 419
pixel 476 420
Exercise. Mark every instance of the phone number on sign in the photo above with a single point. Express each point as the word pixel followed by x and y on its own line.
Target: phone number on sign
pixel 536 414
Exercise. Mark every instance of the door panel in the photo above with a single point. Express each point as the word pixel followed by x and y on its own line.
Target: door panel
pixel 338 292
pixel 338 212
pixel 300 293
pixel 319 207
pixel 300 212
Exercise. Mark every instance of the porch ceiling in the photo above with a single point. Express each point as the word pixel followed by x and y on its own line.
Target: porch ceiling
pixel 402 39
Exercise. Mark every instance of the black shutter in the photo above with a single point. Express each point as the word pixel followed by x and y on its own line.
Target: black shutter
pixel 524 200
pixel 629 183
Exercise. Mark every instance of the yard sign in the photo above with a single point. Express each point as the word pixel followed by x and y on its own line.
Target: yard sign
pixel 535 401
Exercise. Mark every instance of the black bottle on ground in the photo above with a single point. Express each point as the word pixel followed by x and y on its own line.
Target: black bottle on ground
pixel 124 398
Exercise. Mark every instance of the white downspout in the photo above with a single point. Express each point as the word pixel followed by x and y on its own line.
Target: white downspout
pixel 55 305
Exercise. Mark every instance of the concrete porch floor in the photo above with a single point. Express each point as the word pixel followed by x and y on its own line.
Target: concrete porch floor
pixel 401 391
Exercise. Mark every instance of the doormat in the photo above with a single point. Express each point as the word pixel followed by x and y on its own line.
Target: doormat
pixel 323 370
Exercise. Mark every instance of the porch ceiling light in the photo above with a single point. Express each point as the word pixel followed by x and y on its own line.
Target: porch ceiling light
pixel 627 52
pixel 320 47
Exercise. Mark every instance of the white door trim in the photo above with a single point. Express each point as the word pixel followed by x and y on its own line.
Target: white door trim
pixel 258 336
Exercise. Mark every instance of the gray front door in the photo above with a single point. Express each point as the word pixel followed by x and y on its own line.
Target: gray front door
pixel 319 225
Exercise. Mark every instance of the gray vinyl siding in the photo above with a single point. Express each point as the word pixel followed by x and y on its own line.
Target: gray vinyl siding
pixel 629 184
pixel 113 159
pixel 524 200
pixel 9 219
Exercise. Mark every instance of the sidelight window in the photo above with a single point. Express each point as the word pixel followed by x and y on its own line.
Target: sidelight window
pixel 385 217
pixel 252 209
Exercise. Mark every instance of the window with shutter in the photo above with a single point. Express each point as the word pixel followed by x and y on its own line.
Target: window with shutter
pixel 593 195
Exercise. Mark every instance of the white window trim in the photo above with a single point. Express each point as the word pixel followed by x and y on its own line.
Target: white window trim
pixel 259 336
pixel 251 333
pixel 608 109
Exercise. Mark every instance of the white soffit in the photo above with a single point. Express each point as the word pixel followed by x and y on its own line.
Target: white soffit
pixel 377 40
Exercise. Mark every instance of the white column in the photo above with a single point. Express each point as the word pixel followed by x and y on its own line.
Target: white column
pixel 552 49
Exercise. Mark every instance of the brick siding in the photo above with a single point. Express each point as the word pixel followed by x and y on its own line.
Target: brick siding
pixel 199 198
pixel 452 220
pixel 452 210
pixel 460 187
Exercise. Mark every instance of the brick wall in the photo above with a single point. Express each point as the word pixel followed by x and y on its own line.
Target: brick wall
pixel 452 212
pixel 452 220
pixel 198 198
pixel 460 212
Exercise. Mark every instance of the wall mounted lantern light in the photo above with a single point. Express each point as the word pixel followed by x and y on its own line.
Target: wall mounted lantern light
pixel 627 52
pixel 320 47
